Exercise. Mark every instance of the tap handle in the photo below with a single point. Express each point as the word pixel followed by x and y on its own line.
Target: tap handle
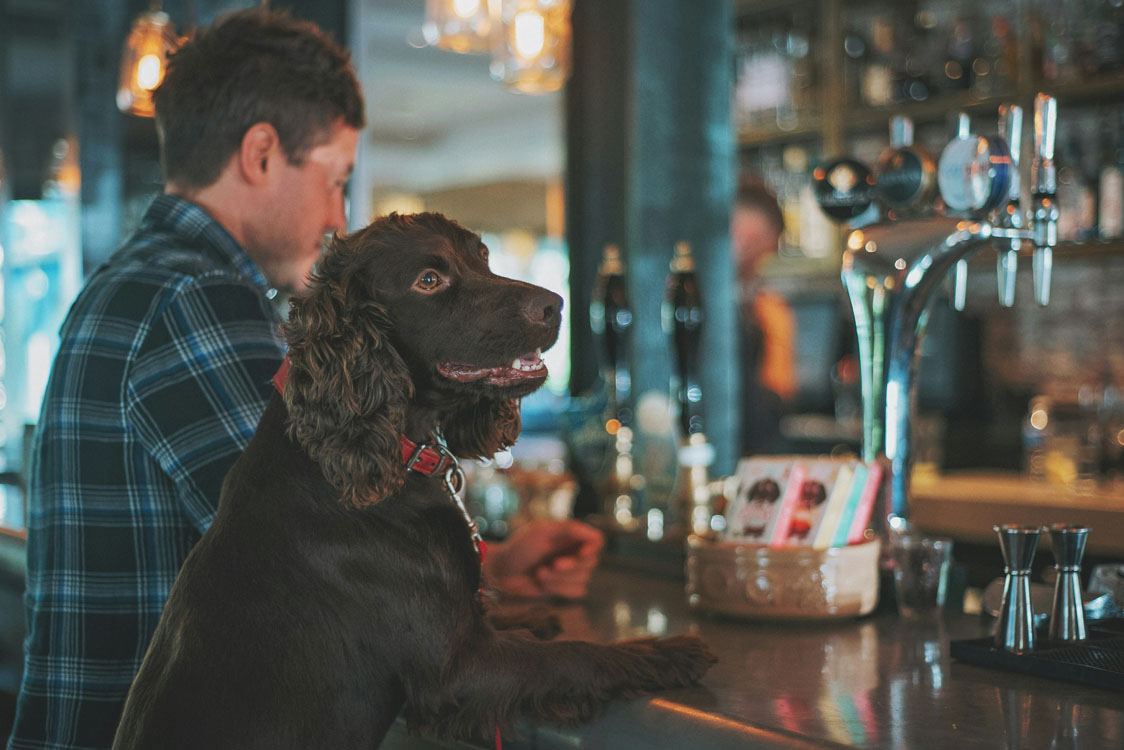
pixel 901 131
pixel 1045 126
pixel 1011 128
pixel 963 125
pixel 1006 268
pixel 1011 215
pixel 1044 189
pixel 960 285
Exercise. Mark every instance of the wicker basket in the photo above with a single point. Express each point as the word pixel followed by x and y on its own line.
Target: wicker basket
pixel 782 583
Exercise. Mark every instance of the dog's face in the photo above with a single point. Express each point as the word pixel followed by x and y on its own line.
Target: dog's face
pixel 405 328
pixel 458 326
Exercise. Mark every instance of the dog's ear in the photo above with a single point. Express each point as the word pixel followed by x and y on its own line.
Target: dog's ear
pixel 347 386
pixel 481 428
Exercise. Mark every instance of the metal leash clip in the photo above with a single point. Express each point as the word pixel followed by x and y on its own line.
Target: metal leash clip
pixel 454 477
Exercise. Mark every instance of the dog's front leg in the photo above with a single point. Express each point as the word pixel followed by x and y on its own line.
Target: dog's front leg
pixel 541 621
pixel 506 675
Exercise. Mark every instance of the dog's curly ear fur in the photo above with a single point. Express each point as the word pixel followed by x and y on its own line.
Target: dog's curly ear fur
pixel 481 428
pixel 347 387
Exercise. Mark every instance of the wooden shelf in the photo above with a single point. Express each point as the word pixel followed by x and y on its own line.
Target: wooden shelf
pixel 937 109
pixel 1105 88
pixel 809 129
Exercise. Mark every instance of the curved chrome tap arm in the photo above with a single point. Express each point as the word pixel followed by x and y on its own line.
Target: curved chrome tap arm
pixel 891 270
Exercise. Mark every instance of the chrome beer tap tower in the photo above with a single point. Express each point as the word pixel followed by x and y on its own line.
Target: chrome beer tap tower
pixel 891 270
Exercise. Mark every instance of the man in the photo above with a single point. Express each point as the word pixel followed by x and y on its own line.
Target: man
pixel 767 326
pixel 166 360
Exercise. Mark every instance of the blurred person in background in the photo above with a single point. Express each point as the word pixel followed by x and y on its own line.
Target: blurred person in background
pixel 767 327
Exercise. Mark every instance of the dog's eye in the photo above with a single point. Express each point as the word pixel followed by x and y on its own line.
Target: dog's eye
pixel 484 254
pixel 428 281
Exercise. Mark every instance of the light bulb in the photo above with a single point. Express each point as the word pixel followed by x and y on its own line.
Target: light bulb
pixel 530 34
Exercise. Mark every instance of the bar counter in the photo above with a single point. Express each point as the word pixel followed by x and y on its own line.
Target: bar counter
pixel 874 682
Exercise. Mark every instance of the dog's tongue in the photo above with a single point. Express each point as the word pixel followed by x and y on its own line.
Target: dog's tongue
pixel 528 366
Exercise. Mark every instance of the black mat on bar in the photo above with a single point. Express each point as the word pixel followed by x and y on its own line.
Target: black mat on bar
pixel 1097 661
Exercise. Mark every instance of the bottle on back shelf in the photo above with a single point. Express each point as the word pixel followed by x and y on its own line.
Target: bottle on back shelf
pixel 877 80
pixel 1110 192
pixel 959 55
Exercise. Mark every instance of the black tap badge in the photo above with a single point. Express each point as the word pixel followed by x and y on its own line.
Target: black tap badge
pixel 844 189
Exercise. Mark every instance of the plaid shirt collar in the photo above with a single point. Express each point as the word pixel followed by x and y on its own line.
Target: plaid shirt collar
pixel 179 216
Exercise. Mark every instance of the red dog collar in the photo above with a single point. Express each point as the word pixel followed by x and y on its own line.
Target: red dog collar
pixel 423 458
pixel 281 376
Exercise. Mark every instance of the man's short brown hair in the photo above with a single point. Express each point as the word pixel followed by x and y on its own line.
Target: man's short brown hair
pixel 252 66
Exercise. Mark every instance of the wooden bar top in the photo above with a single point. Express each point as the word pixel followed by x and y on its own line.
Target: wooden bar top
pixel 875 682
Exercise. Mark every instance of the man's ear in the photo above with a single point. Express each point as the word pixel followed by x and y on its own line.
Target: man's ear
pixel 260 146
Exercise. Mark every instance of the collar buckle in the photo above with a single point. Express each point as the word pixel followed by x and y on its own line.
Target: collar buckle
pixel 427 458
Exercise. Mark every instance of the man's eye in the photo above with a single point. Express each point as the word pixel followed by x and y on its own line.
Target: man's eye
pixel 428 281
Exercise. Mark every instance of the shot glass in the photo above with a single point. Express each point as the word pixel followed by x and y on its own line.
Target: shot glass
pixel 920 573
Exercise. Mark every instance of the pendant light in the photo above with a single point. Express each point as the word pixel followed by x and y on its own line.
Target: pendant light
pixel 144 61
pixel 458 25
pixel 531 47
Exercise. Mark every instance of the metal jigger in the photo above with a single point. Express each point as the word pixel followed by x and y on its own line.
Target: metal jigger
pixel 1016 615
pixel 1067 616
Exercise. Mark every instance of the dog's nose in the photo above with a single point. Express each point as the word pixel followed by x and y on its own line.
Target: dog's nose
pixel 544 308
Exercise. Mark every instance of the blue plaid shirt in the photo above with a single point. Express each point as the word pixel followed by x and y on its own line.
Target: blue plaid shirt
pixel 162 374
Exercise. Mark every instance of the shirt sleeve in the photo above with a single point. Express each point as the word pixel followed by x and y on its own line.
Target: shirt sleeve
pixel 200 383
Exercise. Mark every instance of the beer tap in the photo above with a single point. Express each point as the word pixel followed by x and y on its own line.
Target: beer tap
pixel 1010 215
pixel 1044 190
pixel 892 269
pixel 960 274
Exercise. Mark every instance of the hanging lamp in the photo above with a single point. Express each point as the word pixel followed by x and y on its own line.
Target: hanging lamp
pixel 144 61
pixel 459 25
pixel 531 47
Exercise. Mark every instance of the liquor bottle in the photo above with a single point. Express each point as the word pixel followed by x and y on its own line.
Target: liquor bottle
pixel 994 69
pixel 1110 190
pixel 610 317
pixel 794 161
pixel 800 52
pixel 959 54
pixel 878 77
pixel 915 84
pixel 1059 58
pixel 1108 43
pixel 856 49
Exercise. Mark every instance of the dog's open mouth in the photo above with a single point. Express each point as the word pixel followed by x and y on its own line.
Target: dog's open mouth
pixel 527 367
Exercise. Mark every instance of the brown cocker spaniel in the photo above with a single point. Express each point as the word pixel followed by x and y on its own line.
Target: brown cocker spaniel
pixel 337 585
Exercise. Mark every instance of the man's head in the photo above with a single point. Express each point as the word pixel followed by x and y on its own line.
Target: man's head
pixel 756 226
pixel 258 118
pixel 250 67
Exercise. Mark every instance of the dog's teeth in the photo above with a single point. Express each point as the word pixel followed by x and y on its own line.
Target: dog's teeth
pixel 538 353
pixel 516 365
